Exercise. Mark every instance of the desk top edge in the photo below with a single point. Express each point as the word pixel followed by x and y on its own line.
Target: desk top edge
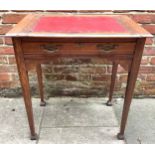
pixel 17 31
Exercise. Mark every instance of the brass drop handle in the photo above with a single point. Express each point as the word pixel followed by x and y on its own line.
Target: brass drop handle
pixel 107 48
pixel 50 48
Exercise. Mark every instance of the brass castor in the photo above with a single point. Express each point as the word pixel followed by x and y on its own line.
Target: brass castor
pixel 34 137
pixel 42 103
pixel 109 103
pixel 120 136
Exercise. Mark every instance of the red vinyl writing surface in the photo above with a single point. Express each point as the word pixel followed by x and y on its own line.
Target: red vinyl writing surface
pixel 73 24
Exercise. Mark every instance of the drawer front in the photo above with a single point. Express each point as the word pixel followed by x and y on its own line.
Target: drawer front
pixel 51 48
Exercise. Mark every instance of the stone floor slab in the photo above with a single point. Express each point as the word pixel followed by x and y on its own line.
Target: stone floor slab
pixel 80 135
pixel 13 120
pixel 141 121
pixel 73 112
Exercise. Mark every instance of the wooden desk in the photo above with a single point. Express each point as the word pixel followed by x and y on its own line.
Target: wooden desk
pixel 39 39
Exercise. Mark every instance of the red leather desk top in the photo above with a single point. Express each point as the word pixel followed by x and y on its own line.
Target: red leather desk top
pixel 73 24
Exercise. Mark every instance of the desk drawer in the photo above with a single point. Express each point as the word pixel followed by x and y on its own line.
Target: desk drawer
pixel 45 48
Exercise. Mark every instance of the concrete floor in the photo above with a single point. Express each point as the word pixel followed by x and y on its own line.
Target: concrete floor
pixel 140 128
pixel 77 120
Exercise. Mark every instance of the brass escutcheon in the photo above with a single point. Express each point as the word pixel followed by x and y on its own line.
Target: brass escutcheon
pixel 51 48
pixel 106 47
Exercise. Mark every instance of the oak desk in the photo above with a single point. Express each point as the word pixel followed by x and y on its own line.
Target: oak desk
pixel 38 39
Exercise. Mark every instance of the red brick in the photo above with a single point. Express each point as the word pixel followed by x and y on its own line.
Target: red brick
pixel 63 69
pixel 4 29
pixel 3 59
pixel 8 41
pixel 144 61
pixel 147 69
pixel 123 78
pixel 150 28
pixel 149 41
pixel 100 70
pixel 9 84
pixel 71 77
pixel 8 69
pixel 119 70
pixel 12 18
pixel 149 51
pixel 101 77
pixel 73 61
pixel 142 76
pixel 144 18
pixel 55 77
pixel 84 77
pixel 153 61
pixel 149 92
pixel 6 50
pixel 1 40
pixel 11 60
pixel 5 77
pixel 100 84
pixel 15 76
pixel 5 84
pixel 150 77
pixel 100 61
pixel 147 88
pixel 92 70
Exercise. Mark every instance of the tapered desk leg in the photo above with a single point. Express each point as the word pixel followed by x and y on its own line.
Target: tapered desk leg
pixel 23 75
pixel 112 85
pixel 40 84
pixel 132 76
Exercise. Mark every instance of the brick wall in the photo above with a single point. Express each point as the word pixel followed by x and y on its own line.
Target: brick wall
pixel 89 77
